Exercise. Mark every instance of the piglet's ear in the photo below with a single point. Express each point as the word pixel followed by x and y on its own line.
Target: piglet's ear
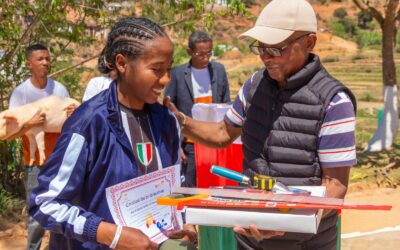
pixel 10 118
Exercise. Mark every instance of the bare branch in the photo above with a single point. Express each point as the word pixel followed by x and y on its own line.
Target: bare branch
pixel 45 28
pixel 63 48
pixel 73 66
pixel 11 54
pixel 183 19
pixel 392 10
pixel 365 6
pixel 176 22
pixel 361 5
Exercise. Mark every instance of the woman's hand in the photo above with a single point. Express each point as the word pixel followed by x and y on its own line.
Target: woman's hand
pixel 259 235
pixel 131 238
pixel 188 233
pixel 70 109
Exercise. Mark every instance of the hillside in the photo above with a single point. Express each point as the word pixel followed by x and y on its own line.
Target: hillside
pixel 227 30
pixel 360 69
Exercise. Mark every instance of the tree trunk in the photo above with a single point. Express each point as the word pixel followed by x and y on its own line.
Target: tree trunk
pixel 387 128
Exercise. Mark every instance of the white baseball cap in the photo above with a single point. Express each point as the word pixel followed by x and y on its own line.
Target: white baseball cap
pixel 280 19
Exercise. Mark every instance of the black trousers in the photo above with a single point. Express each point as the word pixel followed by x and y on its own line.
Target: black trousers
pixel 189 168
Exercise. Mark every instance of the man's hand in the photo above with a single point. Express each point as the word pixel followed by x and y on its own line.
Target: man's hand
pixel 38 119
pixel 70 109
pixel 211 134
pixel 336 181
pixel 131 238
pixel 259 235
pixel 188 233
pixel 179 115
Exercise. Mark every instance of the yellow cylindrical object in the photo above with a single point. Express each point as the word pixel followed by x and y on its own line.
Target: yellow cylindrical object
pixel 264 182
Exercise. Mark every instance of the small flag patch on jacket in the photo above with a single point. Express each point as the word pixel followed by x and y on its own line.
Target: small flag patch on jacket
pixel 145 152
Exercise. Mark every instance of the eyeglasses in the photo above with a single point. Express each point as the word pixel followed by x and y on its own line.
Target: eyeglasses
pixel 203 54
pixel 262 50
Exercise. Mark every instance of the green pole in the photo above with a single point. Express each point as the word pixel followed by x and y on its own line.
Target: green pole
pixel 380 115
pixel 216 238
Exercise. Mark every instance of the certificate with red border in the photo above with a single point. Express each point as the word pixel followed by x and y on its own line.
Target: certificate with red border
pixel 133 203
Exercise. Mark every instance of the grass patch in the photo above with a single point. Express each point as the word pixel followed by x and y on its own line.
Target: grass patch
pixel 368 98
pixel 363 113
pixel 365 129
pixel 358 56
pixel 370 39
pixel 370 164
pixel 10 205
pixel 6 201
pixel 330 59
pixel 240 76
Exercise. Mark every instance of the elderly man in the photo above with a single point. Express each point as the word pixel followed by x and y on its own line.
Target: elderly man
pixel 296 121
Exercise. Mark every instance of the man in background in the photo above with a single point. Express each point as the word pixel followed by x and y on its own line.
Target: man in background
pixel 198 81
pixel 98 84
pixel 37 86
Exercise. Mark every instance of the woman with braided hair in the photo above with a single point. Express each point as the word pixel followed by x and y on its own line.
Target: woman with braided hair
pixel 98 146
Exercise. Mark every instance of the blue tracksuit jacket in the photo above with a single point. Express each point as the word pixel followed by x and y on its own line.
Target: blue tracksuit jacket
pixel 93 153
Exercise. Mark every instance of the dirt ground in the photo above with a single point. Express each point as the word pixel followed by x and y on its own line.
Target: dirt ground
pixel 353 221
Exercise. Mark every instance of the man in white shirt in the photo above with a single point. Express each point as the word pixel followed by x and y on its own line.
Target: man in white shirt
pixel 38 86
pixel 98 84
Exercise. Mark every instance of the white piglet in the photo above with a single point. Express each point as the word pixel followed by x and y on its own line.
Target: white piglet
pixel 13 120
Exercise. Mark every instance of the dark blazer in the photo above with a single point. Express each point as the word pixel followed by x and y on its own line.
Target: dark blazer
pixel 180 88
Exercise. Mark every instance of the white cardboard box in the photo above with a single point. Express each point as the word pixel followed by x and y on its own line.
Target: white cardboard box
pixel 296 220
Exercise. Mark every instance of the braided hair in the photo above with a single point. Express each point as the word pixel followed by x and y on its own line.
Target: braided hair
pixel 127 37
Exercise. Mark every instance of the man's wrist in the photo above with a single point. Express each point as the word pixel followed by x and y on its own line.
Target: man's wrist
pixel 183 120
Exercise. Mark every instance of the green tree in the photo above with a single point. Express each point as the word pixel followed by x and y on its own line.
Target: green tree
pixel 52 22
pixel 387 14
pixel 364 19
pixel 340 13
pixel 57 23
pixel 62 23
pixel 183 16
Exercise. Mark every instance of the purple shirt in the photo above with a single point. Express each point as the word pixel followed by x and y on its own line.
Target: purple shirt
pixel 336 138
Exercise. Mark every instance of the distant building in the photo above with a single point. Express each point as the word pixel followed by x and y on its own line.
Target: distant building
pixel 221 2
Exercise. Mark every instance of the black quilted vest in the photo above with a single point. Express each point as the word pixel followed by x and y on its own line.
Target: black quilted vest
pixel 280 139
pixel 280 133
